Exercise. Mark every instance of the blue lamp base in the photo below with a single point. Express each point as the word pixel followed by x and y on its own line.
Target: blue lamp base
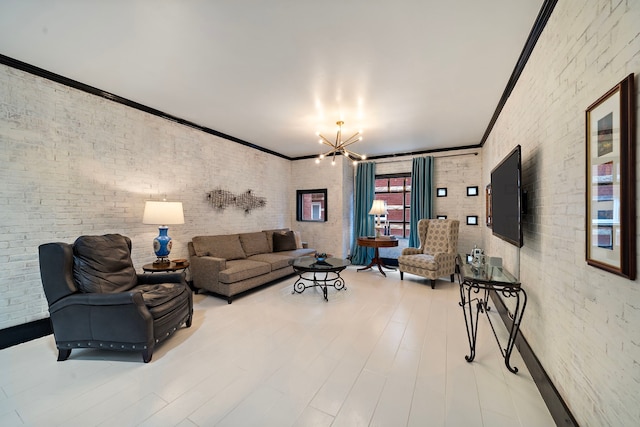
pixel 162 246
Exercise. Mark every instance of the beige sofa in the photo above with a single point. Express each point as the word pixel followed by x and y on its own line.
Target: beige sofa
pixel 229 264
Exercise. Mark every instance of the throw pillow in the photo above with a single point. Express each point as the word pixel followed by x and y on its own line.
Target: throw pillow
pixel 284 241
pixel 269 234
pixel 298 237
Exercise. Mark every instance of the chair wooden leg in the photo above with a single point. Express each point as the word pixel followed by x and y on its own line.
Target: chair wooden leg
pixel 147 355
pixel 401 275
pixel 433 284
pixel 452 279
pixel 63 354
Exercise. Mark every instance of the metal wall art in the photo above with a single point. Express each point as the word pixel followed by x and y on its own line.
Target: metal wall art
pixel 247 201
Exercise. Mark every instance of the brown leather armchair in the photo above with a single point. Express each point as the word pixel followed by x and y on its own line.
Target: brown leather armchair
pixel 97 300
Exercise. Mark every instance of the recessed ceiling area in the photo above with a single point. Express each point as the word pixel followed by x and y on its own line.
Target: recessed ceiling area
pixel 414 75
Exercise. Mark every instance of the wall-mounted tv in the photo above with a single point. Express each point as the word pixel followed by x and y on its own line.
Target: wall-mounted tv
pixel 506 198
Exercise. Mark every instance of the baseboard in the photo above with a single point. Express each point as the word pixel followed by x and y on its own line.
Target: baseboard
pixel 26 332
pixel 556 405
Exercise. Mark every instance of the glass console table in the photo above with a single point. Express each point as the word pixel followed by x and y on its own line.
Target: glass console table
pixel 475 286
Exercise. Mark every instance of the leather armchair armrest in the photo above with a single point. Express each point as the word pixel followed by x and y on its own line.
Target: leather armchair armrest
pixel 133 298
pixel 89 317
pixel 411 251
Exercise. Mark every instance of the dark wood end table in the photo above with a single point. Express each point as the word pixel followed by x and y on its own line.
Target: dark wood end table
pixel 376 244
pixel 165 268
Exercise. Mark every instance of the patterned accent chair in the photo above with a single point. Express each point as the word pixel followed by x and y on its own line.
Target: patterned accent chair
pixel 436 256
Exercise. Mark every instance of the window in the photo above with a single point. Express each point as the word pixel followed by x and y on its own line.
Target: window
pixel 311 205
pixel 396 191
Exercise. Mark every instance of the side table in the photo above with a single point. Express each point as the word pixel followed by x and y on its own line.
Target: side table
pixel 475 286
pixel 376 244
pixel 165 268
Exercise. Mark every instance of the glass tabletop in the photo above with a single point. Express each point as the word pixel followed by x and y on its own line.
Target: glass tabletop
pixel 310 263
pixel 488 274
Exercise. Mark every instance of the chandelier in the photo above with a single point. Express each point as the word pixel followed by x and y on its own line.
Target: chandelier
pixel 340 146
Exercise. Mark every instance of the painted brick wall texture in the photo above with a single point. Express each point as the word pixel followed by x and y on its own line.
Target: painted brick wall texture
pixel 454 171
pixel 326 236
pixel 73 164
pixel 582 322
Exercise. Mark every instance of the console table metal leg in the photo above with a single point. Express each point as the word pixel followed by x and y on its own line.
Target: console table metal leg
pixel 515 327
pixel 471 324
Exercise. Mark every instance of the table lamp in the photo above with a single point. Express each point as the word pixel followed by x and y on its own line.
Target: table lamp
pixel 162 213
pixel 379 207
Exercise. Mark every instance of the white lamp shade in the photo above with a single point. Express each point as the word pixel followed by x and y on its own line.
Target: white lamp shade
pixel 163 213
pixel 379 207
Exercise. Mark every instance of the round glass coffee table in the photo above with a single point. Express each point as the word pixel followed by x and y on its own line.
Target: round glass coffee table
pixel 314 273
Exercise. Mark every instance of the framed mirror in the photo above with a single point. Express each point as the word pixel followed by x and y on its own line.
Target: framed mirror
pixel 311 205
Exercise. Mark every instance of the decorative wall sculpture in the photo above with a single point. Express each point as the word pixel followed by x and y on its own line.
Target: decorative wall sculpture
pixel 247 201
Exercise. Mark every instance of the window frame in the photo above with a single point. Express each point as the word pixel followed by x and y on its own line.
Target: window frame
pixel 406 222
pixel 300 195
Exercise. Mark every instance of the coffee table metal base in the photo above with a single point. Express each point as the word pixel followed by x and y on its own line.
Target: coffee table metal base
pixel 332 279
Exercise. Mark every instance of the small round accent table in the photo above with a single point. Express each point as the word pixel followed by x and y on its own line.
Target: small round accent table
pixel 165 268
pixel 330 268
pixel 376 244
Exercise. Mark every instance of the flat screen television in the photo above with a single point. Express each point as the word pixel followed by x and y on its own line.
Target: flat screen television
pixel 506 198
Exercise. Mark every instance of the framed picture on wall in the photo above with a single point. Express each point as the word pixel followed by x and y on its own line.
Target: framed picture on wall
pixel 611 181
pixel 441 192
pixel 472 191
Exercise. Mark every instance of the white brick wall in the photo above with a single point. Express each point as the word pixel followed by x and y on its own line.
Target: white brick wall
pixel 582 322
pixel 455 171
pixel 72 164
pixel 332 236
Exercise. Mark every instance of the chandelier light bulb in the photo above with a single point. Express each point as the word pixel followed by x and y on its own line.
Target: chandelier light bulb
pixel 363 156
pixel 340 145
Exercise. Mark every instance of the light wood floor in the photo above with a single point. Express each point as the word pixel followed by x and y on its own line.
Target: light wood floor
pixel 383 352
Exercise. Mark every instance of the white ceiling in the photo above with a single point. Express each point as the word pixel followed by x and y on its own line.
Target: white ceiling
pixel 413 74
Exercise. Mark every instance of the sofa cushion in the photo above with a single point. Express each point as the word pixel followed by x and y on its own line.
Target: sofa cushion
pixel 284 241
pixel 297 253
pixel 275 260
pixel 102 264
pixel 242 269
pixel 162 298
pixel 225 246
pixel 422 261
pixel 254 243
